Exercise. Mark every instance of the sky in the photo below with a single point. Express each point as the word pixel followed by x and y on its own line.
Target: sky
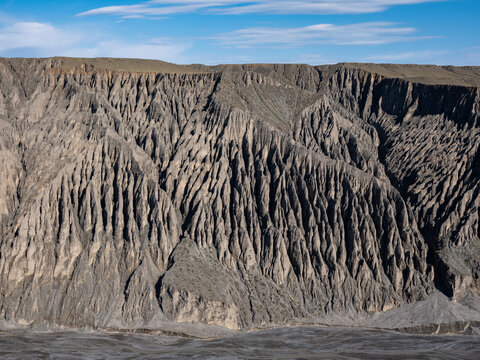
pixel 442 32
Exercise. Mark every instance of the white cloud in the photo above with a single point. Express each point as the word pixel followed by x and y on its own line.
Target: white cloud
pixel 430 56
pixel 41 39
pixel 459 57
pixel 35 35
pixel 166 7
pixel 143 9
pixel 468 56
pixel 152 49
pixel 311 58
pixel 372 33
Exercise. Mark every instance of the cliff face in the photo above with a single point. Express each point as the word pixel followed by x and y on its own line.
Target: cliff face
pixel 430 148
pixel 234 195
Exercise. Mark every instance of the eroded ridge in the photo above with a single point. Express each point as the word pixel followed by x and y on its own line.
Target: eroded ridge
pixel 231 195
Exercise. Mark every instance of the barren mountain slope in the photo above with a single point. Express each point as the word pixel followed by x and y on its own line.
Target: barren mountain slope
pixel 136 192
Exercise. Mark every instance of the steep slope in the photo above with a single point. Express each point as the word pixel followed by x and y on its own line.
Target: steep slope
pixel 232 195
pixel 430 147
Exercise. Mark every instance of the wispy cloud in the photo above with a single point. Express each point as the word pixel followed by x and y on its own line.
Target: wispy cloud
pixel 150 49
pixel 430 56
pixel 34 35
pixel 42 39
pixel 371 33
pixel 469 56
pixel 167 7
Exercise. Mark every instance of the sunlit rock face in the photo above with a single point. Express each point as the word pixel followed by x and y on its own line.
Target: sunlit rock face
pixel 232 195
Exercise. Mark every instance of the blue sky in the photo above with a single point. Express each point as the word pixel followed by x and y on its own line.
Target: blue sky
pixel 235 31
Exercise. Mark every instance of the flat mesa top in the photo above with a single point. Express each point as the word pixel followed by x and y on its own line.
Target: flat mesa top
pixel 425 74
pixel 125 65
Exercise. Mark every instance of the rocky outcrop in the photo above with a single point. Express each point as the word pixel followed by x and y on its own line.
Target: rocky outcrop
pixel 233 195
pixel 430 148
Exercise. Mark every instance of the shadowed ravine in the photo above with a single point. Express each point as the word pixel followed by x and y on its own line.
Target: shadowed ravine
pixel 137 193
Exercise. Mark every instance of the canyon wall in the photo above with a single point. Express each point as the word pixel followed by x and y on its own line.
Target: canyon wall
pixel 231 195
